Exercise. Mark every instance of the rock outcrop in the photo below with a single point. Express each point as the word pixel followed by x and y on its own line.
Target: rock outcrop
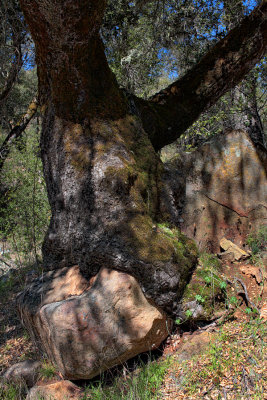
pixel 220 189
pixel 88 327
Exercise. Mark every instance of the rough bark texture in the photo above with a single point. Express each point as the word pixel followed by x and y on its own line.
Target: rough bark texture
pixel 102 173
pixel 103 176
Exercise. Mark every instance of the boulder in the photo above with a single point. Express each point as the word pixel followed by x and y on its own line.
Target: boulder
pixel 63 390
pixel 231 248
pixel 87 327
pixel 25 371
pixel 221 189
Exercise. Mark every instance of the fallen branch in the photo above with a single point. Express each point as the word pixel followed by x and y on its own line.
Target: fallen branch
pixel 245 292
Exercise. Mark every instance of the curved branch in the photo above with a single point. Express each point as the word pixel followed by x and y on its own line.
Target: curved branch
pixel 168 114
pixel 17 131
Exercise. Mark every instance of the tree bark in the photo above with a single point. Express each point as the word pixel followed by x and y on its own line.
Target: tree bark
pixel 102 173
pixel 104 179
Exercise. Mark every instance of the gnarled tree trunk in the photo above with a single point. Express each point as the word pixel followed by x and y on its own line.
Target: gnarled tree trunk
pixel 103 175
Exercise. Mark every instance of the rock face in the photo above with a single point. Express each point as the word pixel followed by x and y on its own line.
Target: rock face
pixel 88 327
pixel 220 189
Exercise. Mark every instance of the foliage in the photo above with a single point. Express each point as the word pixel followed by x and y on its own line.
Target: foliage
pixel 141 384
pixel 24 211
pixel 47 370
pixel 149 43
pixel 207 288
pixel 257 241
pixel 17 55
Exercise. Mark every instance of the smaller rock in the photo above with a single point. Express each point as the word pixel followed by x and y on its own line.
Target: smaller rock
pixel 196 309
pixel 57 391
pixel 26 371
pixel 253 271
pixel 230 247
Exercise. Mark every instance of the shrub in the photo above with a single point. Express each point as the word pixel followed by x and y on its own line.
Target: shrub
pixel 25 210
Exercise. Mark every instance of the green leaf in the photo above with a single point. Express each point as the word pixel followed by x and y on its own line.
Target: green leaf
pixel 199 298
pixel 223 285
pixel 189 313
pixel 207 279
pixel 233 300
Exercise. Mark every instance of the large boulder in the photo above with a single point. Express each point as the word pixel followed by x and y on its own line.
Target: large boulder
pixel 88 327
pixel 220 189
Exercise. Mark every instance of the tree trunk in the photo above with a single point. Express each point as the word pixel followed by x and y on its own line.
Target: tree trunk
pixel 102 173
pixel 104 179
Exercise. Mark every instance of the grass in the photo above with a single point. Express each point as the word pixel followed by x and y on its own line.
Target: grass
pixel 142 384
pixel 12 391
pixel 257 241
pixel 232 367
pixel 48 370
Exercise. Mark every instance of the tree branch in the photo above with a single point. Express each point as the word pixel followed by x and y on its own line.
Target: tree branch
pixel 12 76
pixel 168 114
pixel 17 131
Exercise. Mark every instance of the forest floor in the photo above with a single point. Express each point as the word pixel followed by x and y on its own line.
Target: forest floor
pixel 224 359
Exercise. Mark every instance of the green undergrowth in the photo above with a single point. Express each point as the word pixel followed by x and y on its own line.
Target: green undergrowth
pixel 24 207
pixel 142 384
pixel 257 242
pixel 207 288
pixel 233 364
pixel 12 391
pixel 48 370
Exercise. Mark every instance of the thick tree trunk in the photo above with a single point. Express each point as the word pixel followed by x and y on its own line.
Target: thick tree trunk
pixel 105 181
pixel 102 173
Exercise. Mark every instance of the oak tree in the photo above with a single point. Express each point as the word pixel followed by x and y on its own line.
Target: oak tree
pixel 106 184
